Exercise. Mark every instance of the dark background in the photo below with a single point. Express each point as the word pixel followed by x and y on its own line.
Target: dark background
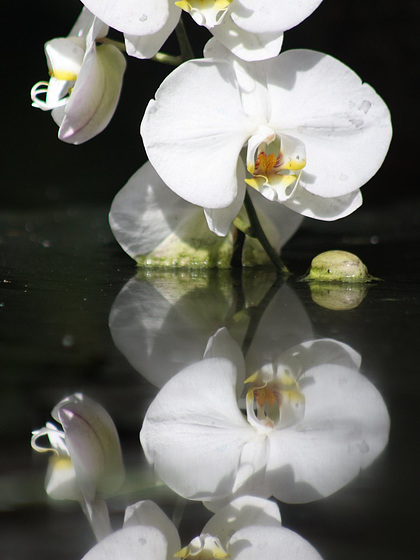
pixel 378 39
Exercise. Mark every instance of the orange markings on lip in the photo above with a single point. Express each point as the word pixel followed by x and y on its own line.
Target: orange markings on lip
pixel 266 162
pixel 267 396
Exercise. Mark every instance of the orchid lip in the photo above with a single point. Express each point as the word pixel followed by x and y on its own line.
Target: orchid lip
pixel 275 162
pixel 203 547
pixel 274 399
pixel 54 435
pixel 208 13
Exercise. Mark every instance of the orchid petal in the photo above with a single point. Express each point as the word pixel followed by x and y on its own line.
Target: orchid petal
pixel 135 17
pixel 97 514
pixel 162 333
pixel 284 324
pixel 65 57
pixel 131 543
pixel 312 353
pixel 245 45
pixel 222 345
pixel 270 542
pixel 313 206
pixel 146 46
pixel 95 95
pixel 219 220
pixel 242 512
pixel 194 432
pixel 84 23
pixel 93 444
pixel 345 428
pixel 61 481
pixel 200 147
pixel 145 212
pixel 262 16
pixel 147 514
pixel 344 125
pixel 251 79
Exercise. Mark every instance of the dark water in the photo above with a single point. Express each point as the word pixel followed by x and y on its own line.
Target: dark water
pixel 61 273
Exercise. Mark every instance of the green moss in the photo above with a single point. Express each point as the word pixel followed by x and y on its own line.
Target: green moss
pixel 338 266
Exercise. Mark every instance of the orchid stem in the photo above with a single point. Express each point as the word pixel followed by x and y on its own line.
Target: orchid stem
pixel 258 232
pixel 255 316
pixel 178 511
pixel 187 52
pixel 165 58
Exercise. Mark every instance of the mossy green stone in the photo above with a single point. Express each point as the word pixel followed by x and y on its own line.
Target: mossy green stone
pixel 338 266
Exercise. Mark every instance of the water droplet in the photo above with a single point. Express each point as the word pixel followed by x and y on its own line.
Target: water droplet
pixel 143 17
pixel 67 340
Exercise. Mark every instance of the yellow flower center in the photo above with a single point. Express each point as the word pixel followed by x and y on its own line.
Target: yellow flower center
pixel 205 12
pixel 274 399
pixel 267 395
pixel 204 547
pixel 275 165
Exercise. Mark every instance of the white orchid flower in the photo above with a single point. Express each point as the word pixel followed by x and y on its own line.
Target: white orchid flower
pixel 310 132
pixel 85 83
pixel 251 29
pixel 246 528
pixel 310 426
pixel 158 228
pixel 86 464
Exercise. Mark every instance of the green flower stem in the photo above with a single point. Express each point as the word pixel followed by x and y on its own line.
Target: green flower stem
pixel 167 59
pixel 258 232
pixel 183 41
pixel 161 57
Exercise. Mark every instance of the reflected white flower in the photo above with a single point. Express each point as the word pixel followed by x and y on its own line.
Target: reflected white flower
pixel 246 528
pixel 313 133
pixel 86 464
pixel 85 83
pixel 158 228
pixel 162 324
pixel 251 30
pixel 315 423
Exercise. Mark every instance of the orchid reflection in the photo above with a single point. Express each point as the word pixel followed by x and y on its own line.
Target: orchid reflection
pixel 311 422
pixel 162 324
pixel 86 463
pixel 246 528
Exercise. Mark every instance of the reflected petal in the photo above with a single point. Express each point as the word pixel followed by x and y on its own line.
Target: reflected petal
pixel 147 514
pixel 345 428
pixel 270 542
pixel 132 543
pixel 194 432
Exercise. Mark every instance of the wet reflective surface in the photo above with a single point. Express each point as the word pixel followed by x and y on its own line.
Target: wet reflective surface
pixel 75 319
